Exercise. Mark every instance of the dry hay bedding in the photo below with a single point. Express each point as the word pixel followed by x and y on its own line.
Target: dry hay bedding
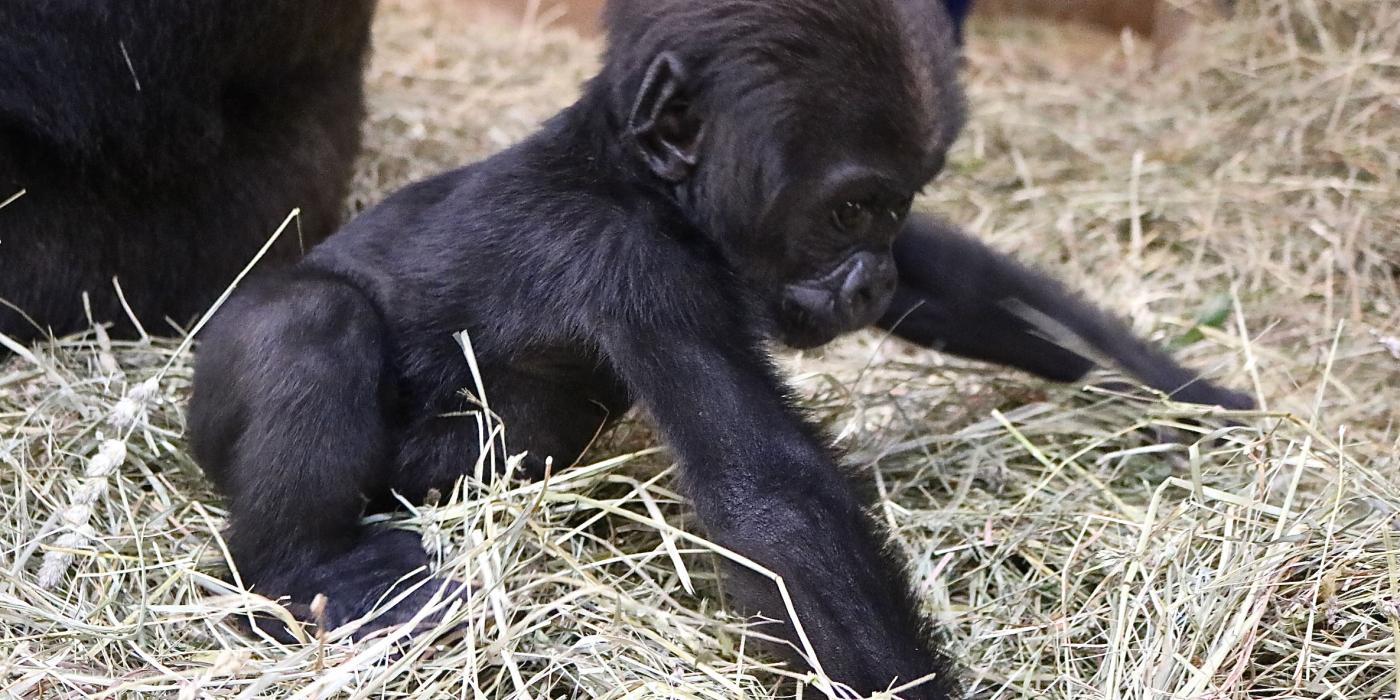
pixel 1241 203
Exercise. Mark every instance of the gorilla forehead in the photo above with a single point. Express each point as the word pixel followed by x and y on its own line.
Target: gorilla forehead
pixel 834 60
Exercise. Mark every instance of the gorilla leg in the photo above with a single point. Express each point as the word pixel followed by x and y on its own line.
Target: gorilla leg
pixel 288 418
pixel 549 418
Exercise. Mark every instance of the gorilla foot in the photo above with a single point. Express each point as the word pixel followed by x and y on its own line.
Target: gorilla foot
pixel 381 583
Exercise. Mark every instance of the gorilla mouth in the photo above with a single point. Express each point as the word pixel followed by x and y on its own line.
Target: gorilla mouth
pixel 807 318
pixel 851 296
pixel 804 336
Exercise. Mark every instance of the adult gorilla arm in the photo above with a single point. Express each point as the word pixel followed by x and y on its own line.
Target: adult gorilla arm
pixel 957 295
pixel 144 82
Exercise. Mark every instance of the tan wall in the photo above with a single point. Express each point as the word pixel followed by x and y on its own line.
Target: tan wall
pixel 579 14
pixel 1147 17
pixel 1138 15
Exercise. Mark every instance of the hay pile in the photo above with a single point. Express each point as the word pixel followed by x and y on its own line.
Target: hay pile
pixel 1240 205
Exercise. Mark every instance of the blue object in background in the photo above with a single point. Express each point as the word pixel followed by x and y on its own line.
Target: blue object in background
pixel 959 9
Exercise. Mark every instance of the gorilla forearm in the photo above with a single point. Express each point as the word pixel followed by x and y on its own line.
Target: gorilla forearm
pixel 764 485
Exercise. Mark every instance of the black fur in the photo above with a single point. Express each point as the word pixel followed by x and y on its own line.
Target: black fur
pixel 739 171
pixel 161 142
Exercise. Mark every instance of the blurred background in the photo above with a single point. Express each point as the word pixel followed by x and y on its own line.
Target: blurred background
pixel 1226 178
pixel 1161 20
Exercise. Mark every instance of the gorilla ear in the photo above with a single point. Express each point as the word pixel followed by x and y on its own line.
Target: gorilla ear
pixel 663 127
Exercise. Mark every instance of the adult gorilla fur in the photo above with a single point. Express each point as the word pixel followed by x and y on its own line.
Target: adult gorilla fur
pixel 161 142
pixel 741 171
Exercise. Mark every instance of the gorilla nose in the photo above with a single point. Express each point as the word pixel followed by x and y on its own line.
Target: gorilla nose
pixel 867 289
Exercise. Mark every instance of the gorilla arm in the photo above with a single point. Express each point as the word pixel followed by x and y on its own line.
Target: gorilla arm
pixel 765 487
pixel 957 295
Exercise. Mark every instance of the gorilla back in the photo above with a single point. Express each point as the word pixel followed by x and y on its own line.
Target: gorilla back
pixel 161 142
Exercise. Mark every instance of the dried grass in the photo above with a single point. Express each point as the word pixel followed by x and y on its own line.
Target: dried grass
pixel 1239 204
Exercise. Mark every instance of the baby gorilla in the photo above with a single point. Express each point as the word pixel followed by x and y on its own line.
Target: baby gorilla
pixel 740 170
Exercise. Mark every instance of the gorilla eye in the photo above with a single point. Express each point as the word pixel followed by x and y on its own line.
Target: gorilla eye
pixel 852 217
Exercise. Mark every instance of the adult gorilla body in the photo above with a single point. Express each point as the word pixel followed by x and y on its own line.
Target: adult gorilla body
pixel 639 249
pixel 161 142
